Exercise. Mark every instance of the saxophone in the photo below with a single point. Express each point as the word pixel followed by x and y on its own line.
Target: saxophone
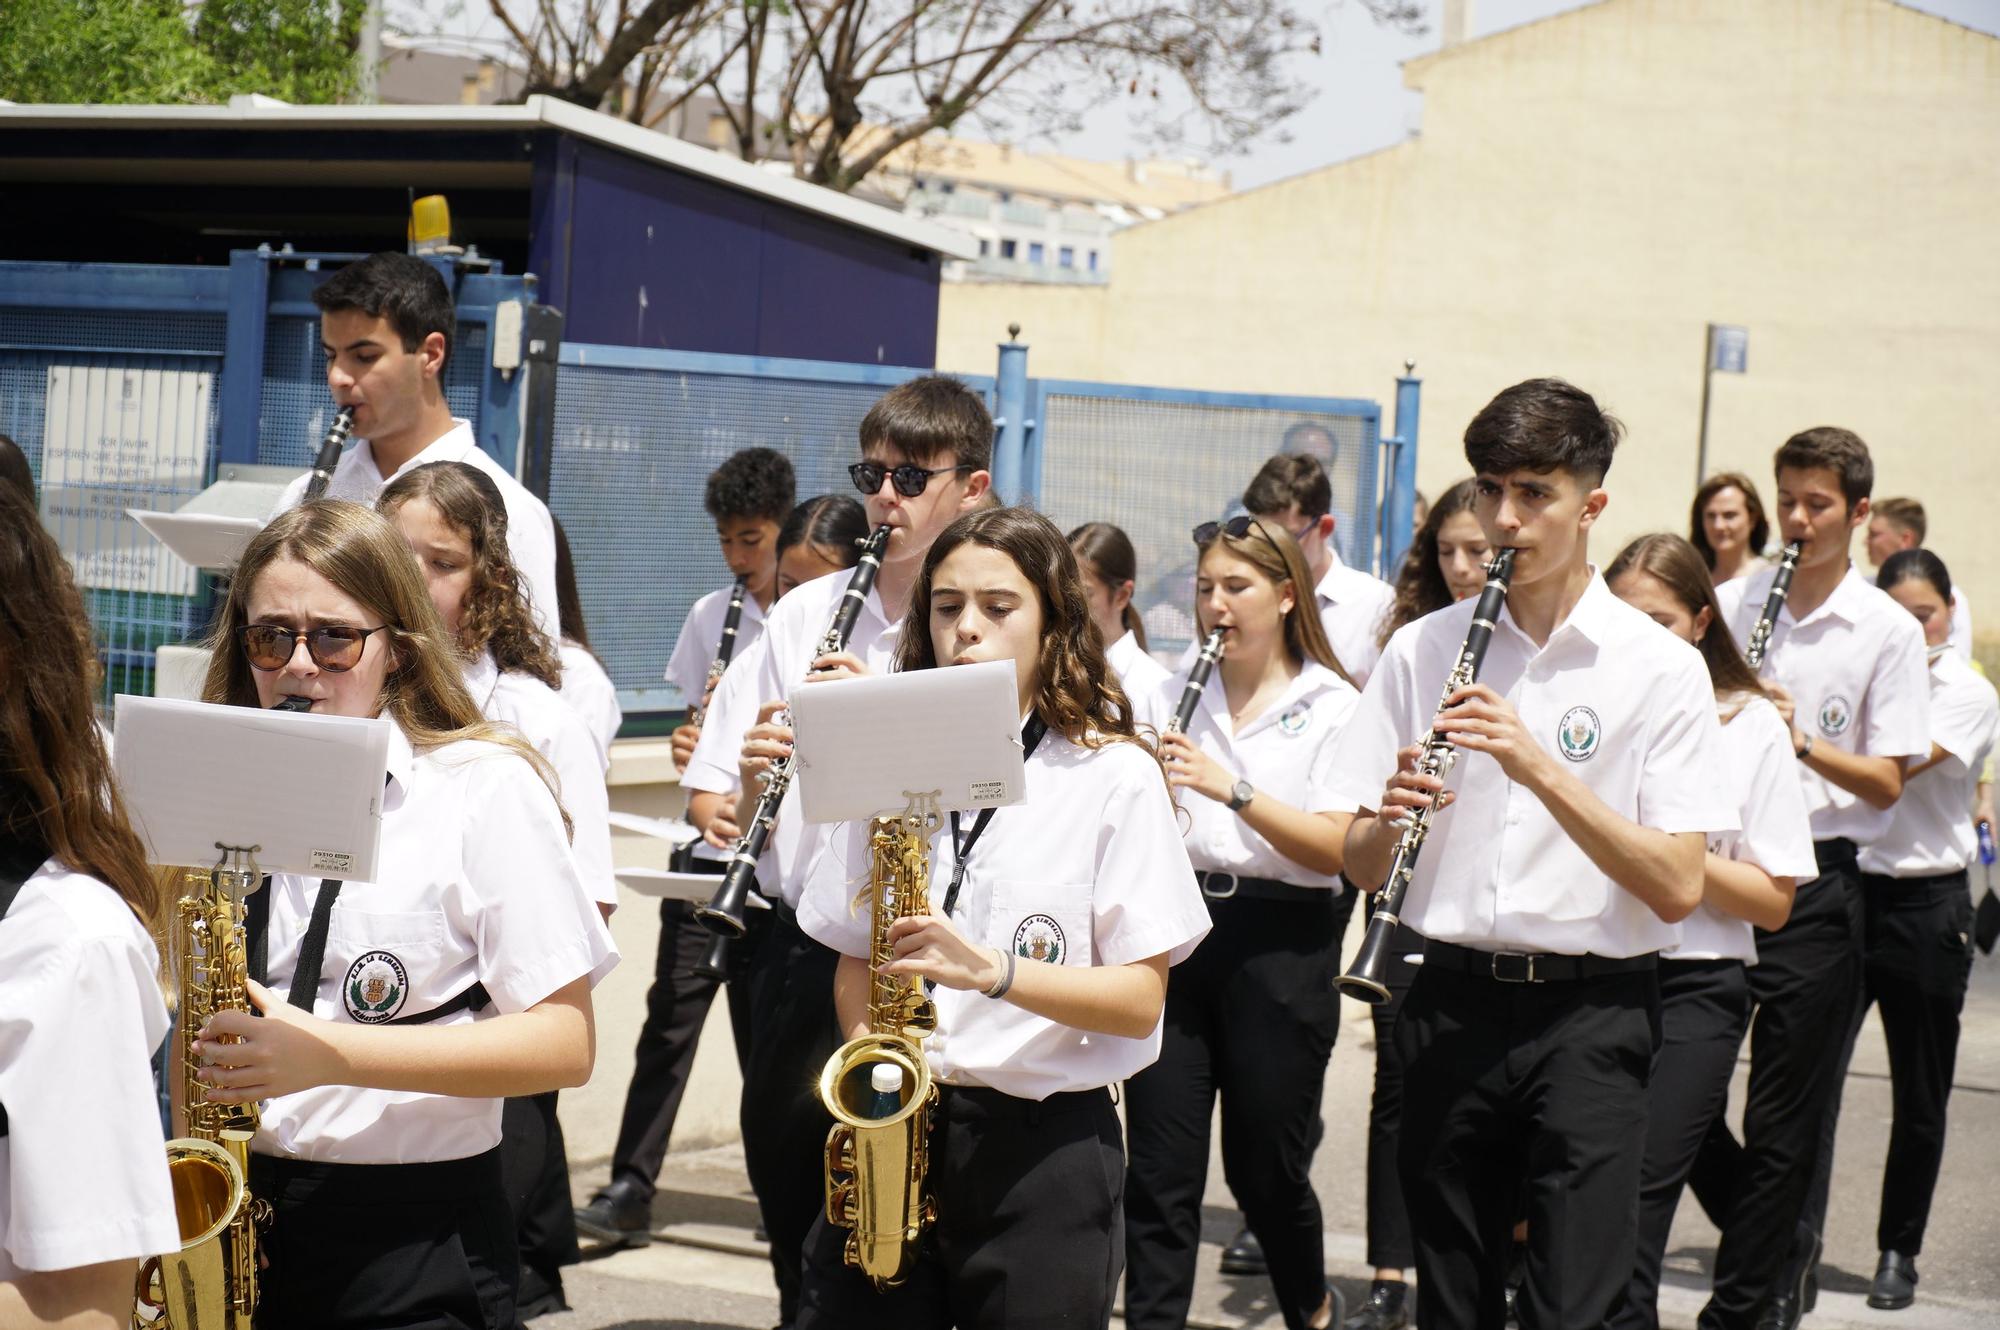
pixel 211 1282
pixel 878 1085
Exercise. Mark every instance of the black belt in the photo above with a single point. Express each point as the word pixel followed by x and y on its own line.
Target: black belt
pixel 979 1101
pixel 1219 884
pixel 1833 853
pixel 431 1180
pixel 1516 967
pixel 1957 877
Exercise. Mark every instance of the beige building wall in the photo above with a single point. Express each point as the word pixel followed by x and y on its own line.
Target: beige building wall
pixel 1587 193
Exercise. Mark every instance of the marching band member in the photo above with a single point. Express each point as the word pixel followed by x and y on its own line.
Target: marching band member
pixel 84 1192
pixel 585 684
pixel 1110 569
pixel 1566 851
pixel 1846 670
pixel 397 1013
pixel 925 448
pixel 454 519
pixel 1917 921
pixel 1050 967
pixel 1253 1017
pixel 1747 884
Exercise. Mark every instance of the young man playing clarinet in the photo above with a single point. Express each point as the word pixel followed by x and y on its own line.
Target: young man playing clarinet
pixel 925 450
pixel 1847 669
pixel 1567 846
pixel 748 497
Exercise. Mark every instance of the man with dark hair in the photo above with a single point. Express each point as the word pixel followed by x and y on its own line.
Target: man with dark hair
pixel 1900 524
pixel 1847 670
pixel 925 447
pixel 1570 846
pixel 749 497
pixel 1292 489
pixel 386 330
pixel 14 468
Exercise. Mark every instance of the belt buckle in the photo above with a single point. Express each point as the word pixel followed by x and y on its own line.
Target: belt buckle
pixel 1210 875
pixel 1514 967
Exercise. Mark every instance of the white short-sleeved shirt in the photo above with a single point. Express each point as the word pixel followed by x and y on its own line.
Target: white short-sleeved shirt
pixel 1624 703
pixel 553 729
pixel 1756 764
pixel 1352 608
pixel 1088 871
pixel 1138 673
pixel 1930 830
pixel 1961 624
pixel 591 694
pixel 531 532
pixel 1286 752
pixel 478 884
pixel 83 1168
pixel 701 636
pixel 1855 669
pixel 775 664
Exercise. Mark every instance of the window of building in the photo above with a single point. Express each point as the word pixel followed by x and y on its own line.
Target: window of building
pixel 1007 249
pixel 947 187
pixel 1066 257
pixel 1093 260
pixel 985 247
pixel 1006 196
pixel 1035 252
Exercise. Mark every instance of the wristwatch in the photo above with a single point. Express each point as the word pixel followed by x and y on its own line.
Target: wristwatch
pixel 1804 750
pixel 1240 795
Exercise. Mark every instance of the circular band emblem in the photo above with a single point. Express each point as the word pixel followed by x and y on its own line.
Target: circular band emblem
pixel 1297 720
pixel 1040 938
pixel 376 988
pixel 1835 715
pixel 1578 734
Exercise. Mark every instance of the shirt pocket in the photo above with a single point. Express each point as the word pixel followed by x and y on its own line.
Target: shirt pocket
pixel 1042 921
pixel 382 964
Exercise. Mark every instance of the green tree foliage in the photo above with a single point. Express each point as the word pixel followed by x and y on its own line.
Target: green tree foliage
pixel 127 51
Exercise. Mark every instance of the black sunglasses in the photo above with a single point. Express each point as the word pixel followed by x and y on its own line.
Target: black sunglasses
pixel 335 650
pixel 1235 528
pixel 911 479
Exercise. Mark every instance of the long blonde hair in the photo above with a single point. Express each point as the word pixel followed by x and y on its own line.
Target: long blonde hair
pixel 363 556
pixel 1276 555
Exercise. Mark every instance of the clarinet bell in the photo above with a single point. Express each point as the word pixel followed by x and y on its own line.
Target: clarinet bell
pixel 714 963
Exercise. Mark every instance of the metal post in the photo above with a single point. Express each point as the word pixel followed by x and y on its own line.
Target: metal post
pixel 541 334
pixel 368 56
pixel 1399 507
pixel 1707 378
pixel 1010 399
pixel 243 354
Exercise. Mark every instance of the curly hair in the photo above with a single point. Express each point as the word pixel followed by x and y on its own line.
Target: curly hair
pixel 1420 584
pixel 495 616
pixel 751 483
pixel 56 788
pixel 1077 694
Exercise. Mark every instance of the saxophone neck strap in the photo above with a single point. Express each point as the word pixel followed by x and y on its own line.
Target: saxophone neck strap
pixel 312 956
pixel 1031 739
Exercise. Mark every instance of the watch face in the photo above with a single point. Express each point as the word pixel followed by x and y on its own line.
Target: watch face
pixel 1242 791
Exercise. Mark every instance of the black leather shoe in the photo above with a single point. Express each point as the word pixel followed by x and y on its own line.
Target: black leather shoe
pixel 1244 1255
pixel 1895 1285
pixel 1387 1307
pixel 1780 1313
pixel 539 1295
pixel 617 1215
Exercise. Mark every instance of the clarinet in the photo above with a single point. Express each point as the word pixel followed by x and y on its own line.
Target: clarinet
pixel 1204 664
pixel 726 649
pixel 724 913
pixel 329 453
pixel 1365 981
pixel 1781 583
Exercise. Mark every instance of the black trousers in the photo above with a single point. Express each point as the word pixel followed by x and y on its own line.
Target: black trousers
pixel 1916 958
pixel 534 1171
pixel 362 1246
pixel 676 1009
pixel 1251 1017
pixel 793 1031
pixel 1704 1010
pixel 1524 1097
pixel 1028 1230
pixel 1389 1244
pixel 1803 989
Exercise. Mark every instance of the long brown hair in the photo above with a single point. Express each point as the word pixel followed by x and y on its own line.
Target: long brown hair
pixel 1760 525
pixel 1109 552
pixel 359 553
pixel 1276 555
pixel 495 616
pixel 1674 563
pixel 1077 694
pixel 56 788
pixel 1420 585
